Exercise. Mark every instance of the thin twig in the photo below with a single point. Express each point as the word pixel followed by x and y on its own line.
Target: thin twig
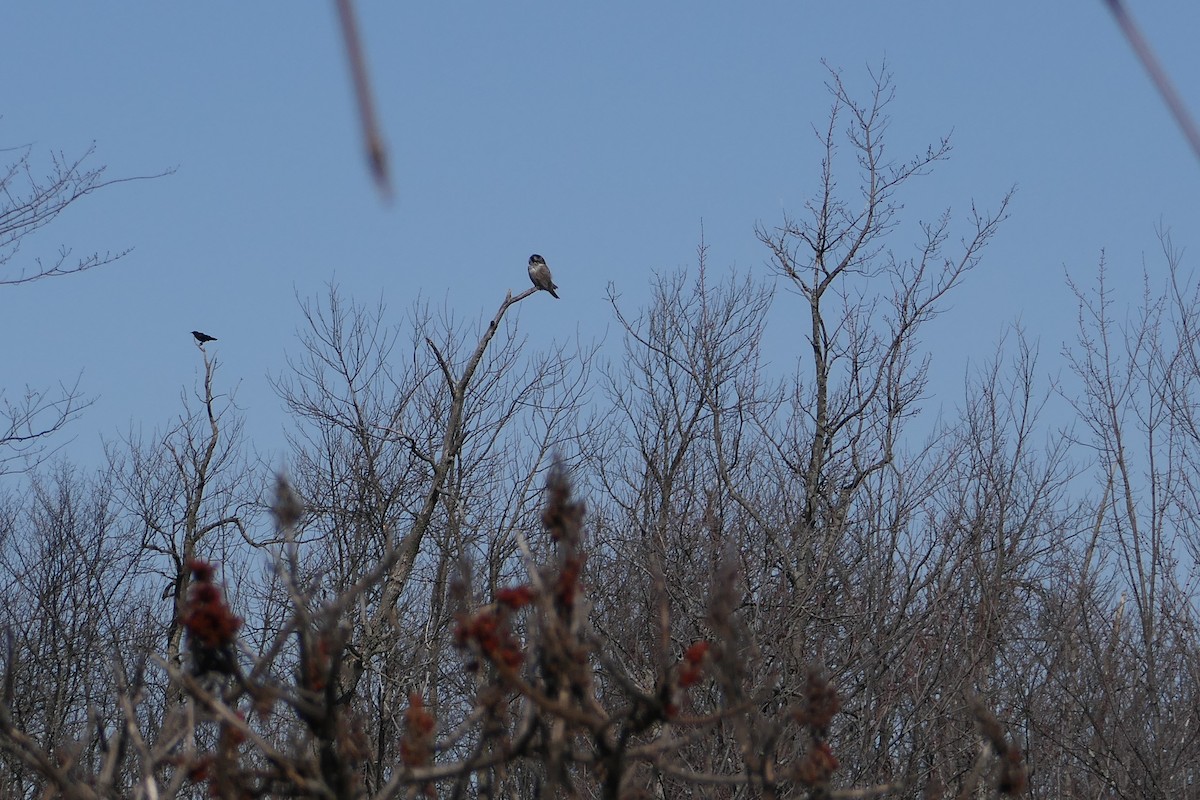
pixel 372 139
pixel 1157 75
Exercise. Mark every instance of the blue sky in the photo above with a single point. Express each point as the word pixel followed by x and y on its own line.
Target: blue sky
pixel 600 135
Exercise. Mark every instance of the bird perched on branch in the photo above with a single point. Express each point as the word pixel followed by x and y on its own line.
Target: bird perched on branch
pixel 539 273
pixel 201 338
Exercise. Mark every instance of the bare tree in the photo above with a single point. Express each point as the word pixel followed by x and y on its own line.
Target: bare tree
pixel 188 496
pixel 809 485
pixel 865 372
pixel 27 423
pixel 76 598
pixel 780 585
pixel 424 456
pixel 32 196
pixel 1125 663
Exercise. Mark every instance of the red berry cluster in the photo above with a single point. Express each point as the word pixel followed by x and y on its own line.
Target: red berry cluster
pixel 561 518
pixel 566 588
pixel 487 630
pixel 821 702
pixel 691 668
pixel 316 666
pixel 416 748
pixel 818 765
pixel 210 624
pixel 688 673
pixel 515 597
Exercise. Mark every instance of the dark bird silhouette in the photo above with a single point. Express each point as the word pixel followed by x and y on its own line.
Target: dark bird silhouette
pixel 539 273
pixel 203 337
